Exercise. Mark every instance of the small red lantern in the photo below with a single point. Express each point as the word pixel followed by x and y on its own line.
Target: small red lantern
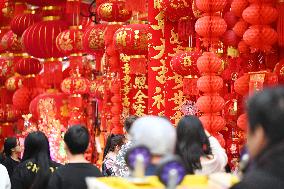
pixel 114 12
pixel 241 85
pixel 132 39
pixel 175 9
pixel 21 22
pixel 231 19
pixel 213 103
pixel 209 63
pixel 210 26
pixel 11 42
pixel 243 47
pixel 28 66
pixel 75 85
pixel 240 27
pixel 260 14
pixel 238 6
pixel 212 123
pixel 93 39
pixel 242 122
pixel 260 37
pixel 211 5
pixel 230 38
pixel 13 83
pixel 70 41
pixel 210 83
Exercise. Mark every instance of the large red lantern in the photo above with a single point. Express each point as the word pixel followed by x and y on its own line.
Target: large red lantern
pixel 75 85
pixel 21 22
pixel 70 41
pixel 114 12
pixel 185 63
pixel 260 14
pixel 175 9
pixel 11 42
pixel 210 26
pixel 132 39
pixel 211 5
pixel 260 37
pixel 238 6
pixel 210 83
pixel 39 40
pixel 93 39
pixel 28 66
pixel 209 63
pixel 213 103
pixel 22 98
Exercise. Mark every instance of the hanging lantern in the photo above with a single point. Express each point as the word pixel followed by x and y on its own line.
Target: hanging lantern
pixel 6 69
pixel 209 63
pixel 175 9
pixel 40 42
pixel 230 38
pixel 114 12
pixel 11 42
pixel 260 14
pixel 213 103
pixel 12 114
pixel 93 39
pixel 212 123
pixel 241 85
pixel 75 85
pixel 210 83
pixel 211 6
pixel 97 88
pixel 28 66
pixel 210 26
pixel 242 122
pixel 231 19
pixel 22 98
pixel 238 6
pixel 13 83
pixel 243 47
pixel 21 22
pixel 260 37
pixel 240 27
pixel 70 41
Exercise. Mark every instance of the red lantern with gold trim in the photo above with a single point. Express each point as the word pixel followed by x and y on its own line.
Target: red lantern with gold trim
pixel 13 83
pixel 28 66
pixel 6 69
pixel 11 42
pixel 114 12
pixel 75 85
pixel 94 39
pixel 175 9
pixel 21 22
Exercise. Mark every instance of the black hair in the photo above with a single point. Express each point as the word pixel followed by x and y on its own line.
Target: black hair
pixel 192 142
pixel 77 139
pixel 129 122
pixel 112 142
pixel 37 150
pixel 266 109
pixel 9 144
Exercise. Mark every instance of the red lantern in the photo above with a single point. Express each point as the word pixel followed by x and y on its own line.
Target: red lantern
pixel 13 83
pixel 241 85
pixel 114 12
pixel 21 22
pixel 28 66
pixel 75 85
pixel 243 47
pixel 238 6
pixel 11 42
pixel 12 114
pixel 132 39
pixel 93 39
pixel 230 38
pixel 260 37
pixel 209 63
pixel 210 26
pixel 279 70
pixel 70 41
pixel 39 39
pixel 22 98
pixel 240 27
pixel 185 63
pixel 212 123
pixel 242 122
pixel 97 88
pixel 6 68
pixel 175 9
pixel 210 83
pixel 212 103
pixel 231 19
pixel 260 14
pixel 211 5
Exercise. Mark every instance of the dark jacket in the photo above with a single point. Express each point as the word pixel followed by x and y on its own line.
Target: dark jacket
pixel 267 171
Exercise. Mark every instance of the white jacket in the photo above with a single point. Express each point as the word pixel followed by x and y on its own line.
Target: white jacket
pixel 4 178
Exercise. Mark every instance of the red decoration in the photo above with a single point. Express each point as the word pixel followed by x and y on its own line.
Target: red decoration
pixel 242 85
pixel 39 39
pixel 230 38
pixel 210 26
pixel 11 42
pixel 175 9
pixel 185 63
pixel 260 37
pixel 211 5
pixel 242 122
pixel 97 88
pixel 243 47
pixel 136 5
pixel 132 39
pixel 238 6
pixel 22 98
pixel 93 39
pixel 75 85
pixel 209 63
pixel 114 12
pixel 186 28
pixel 231 19
pixel 70 41
pixel 14 82
pixel 213 103
pixel 279 70
pixel 240 27
pixel 6 69
pixel 213 123
pixel 210 83
pixel 280 23
pixel 45 3
pixel 260 14
pixel 21 22
pixel 28 66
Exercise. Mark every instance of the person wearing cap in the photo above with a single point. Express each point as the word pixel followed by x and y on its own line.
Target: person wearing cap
pixel 158 135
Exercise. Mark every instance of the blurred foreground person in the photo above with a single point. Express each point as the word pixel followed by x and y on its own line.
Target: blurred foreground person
pixel 12 151
pixel 158 135
pixel 36 166
pixel 73 174
pixel 4 178
pixel 265 141
pixel 200 152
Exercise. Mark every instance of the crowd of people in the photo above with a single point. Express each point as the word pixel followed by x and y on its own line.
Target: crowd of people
pixel 200 152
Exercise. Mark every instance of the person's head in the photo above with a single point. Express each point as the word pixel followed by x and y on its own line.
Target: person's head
pixel 11 146
pixel 266 117
pixel 192 142
pixel 129 122
pixel 37 150
pixel 77 139
pixel 114 142
pixel 156 133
